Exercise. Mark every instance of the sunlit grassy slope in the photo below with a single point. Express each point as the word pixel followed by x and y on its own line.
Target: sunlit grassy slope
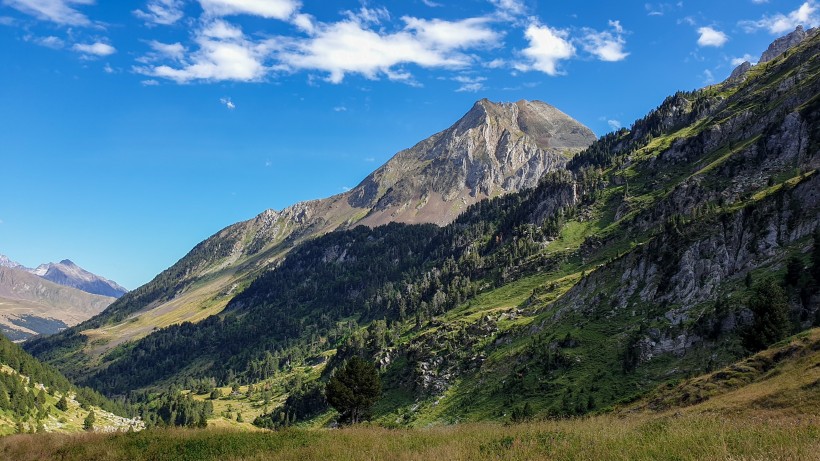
pixel 763 408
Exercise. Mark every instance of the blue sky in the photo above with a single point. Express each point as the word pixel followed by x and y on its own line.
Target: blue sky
pixel 133 130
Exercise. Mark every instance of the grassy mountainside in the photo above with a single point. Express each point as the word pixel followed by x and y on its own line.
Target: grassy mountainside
pixel 654 256
pixel 36 397
pixel 764 407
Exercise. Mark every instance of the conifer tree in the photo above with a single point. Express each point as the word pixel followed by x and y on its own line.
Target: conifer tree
pixel 353 390
pixel 90 419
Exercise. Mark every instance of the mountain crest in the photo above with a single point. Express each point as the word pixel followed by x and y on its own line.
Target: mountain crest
pixel 782 44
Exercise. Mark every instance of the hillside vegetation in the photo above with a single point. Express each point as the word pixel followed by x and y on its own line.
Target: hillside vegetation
pixel 661 252
pixel 764 407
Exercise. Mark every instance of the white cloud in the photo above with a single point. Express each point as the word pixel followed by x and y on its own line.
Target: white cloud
pixel 167 50
pixel 272 9
pixel 496 63
pixel 547 48
pixel 509 8
pixel 51 41
pixel 349 46
pixel 108 69
pixel 150 82
pixel 57 11
pixel 431 3
pixel 760 2
pixel 94 49
pixel 470 84
pixel 224 53
pixel 340 109
pixel 227 103
pixel 746 57
pixel 164 12
pixel 806 15
pixel 6 21
pixel 614 124
pixel 606 45
pixel 711 37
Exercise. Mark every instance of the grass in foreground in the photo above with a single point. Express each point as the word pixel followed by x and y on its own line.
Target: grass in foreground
pixel 607 437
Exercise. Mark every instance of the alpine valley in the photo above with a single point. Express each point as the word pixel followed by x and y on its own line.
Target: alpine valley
pixel 511 268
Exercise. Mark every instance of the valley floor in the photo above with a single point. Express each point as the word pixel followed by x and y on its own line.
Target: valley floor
pixel 678 437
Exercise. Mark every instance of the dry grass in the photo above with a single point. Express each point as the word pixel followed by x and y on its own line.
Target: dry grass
pixel 689 437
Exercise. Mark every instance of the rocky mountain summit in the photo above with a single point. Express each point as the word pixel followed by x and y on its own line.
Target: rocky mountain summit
pixel 69 274
pixel 782 44
pixel 493 150
pixel 6 262
pixel 775 49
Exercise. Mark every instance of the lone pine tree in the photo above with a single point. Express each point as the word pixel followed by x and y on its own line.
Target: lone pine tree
pixel 353 390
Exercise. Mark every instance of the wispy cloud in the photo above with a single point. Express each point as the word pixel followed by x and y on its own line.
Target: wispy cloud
pixel 50 41
pixel 470 84
pixel 271 9
pixel 711 37
pixel 97 49
pixel 805 15
pixel 746 57
pixel 614 124
pixel 227 103
pixel 708 77
pixel 340 109
pixel 57 11
pixel 163 12
pixel 606 45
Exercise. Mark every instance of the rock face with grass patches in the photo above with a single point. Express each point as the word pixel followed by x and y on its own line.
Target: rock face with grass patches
pixel 496 148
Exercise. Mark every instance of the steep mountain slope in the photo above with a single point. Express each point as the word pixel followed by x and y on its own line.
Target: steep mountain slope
pixel 31 305
pixel 660 252
pixel 71 275
pixel 493 150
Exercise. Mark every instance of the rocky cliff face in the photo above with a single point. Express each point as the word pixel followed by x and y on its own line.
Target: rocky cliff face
pixel 782 44
pixel 493 150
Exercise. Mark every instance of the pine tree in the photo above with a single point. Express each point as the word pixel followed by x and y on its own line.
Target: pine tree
pixel 62 404
pixel 353 390
pixel 88 423
pixel 771 316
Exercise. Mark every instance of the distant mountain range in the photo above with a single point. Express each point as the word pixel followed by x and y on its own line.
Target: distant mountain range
pixel 50 298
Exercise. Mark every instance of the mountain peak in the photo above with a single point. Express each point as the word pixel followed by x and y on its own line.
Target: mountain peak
pixel 6 262
pixel 494 149
pixel 784 43
pixel 69 274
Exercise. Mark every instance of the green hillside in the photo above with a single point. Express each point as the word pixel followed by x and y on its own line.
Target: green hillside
pixel 764 407
pixel 663 251
pixel 37 398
